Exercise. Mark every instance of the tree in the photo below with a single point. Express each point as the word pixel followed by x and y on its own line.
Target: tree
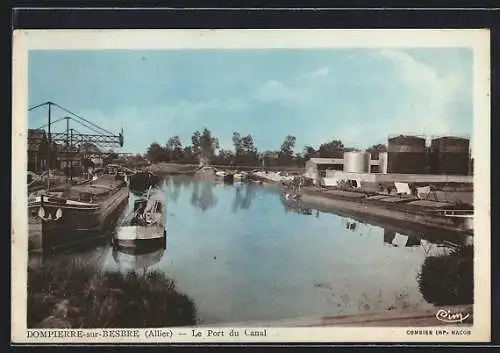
pixel 188 155
pixel 195 141
pixel 174 148
pixel 288 145
pixel 224 157
pixel 238 148
pixel 238 143
pixel 332 149
pixel 204 145
pixel 309 152
pixel 375 150
pixel 269 158
pixel 155 152
pixel 249 150
pixel 286 152
pixel 299 159
pixel 112 154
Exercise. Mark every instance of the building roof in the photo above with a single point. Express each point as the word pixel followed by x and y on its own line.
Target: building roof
pixel 89 147
pixel 36 133
pixel 35 138
pixel 327 160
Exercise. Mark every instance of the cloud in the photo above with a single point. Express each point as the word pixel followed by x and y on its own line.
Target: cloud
pixel 320 72
pixel 161 122
pixel 292 94
pixel 357 96
pixel 272 91
pixel 431 97
pixel 386 92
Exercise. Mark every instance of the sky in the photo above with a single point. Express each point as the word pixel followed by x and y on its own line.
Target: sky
pixel 359 96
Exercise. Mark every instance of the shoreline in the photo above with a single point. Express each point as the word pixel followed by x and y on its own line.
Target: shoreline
pixel 377 215
pixel 387 215
pixel 412 219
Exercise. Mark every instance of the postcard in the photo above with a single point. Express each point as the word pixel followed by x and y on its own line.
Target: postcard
pixel 252 186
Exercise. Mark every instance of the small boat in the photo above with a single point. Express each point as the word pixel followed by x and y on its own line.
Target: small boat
pixel 240 176
pixel 144 226
pixel 465 217
pixel 225 175
pixel 205 172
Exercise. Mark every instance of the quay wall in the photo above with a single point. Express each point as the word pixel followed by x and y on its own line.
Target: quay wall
pixel 404 178
pixel 376 214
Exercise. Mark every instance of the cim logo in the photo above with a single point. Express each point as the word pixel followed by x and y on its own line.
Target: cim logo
pixel 449 317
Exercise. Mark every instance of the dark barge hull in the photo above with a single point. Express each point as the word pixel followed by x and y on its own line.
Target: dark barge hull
pixel 78 225
pixel 142 181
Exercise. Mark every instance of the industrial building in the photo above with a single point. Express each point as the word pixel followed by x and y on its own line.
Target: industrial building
pixel 407 159
pixel 37 151
pixel 318 166
pixel 450 156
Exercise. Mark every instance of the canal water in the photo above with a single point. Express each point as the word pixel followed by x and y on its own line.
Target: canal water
pixel 243 252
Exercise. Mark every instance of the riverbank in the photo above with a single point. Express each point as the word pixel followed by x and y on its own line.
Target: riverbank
pixel 177 168
pixel 172 168
pixel 77 295
pixel 384 210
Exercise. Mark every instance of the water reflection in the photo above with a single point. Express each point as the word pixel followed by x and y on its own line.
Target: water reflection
pixel 130 259
pixel 294 205
pixel 244 195
pixel 92 252
pixel 254 256
pixel 176 188
pixel 203 196
pixel 173 185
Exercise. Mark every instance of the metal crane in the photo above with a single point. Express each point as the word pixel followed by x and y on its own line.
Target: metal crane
pixel 99 137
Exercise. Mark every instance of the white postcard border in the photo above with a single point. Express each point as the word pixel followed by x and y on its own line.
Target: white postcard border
pixel 477 39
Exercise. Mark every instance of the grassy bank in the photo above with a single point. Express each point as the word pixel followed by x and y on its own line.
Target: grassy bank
pixel 171 168
pixel 72 295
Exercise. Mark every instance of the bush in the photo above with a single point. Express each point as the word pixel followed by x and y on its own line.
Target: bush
pixel 76 295
pixel 448 280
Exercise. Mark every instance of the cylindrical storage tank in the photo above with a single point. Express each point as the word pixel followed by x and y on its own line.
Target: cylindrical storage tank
pixel 382 162
pixel 406 155
pixel 357 162
pixel 449 155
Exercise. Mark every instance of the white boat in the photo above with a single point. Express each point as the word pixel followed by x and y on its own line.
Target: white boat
pixel 240 175
pixel 144 226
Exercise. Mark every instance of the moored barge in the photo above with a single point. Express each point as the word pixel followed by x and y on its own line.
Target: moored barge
pixel 142 180
pixel 76 214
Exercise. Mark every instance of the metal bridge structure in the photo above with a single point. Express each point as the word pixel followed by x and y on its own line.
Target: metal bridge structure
pixel 93 142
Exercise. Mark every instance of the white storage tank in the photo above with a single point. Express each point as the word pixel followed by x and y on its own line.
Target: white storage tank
pixel 357 162
pixel 382 162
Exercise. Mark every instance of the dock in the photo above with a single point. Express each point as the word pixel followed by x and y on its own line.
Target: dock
pixel 402 210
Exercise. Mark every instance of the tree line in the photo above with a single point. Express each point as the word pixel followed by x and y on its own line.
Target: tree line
pixel 205 149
